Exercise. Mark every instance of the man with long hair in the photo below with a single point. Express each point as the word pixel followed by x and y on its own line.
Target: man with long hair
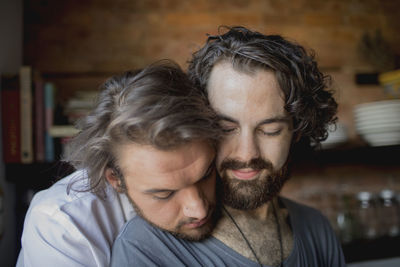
pixel 149 146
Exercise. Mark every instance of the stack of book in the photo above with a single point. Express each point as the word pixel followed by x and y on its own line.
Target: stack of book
pixel 79 105
pixel 29 133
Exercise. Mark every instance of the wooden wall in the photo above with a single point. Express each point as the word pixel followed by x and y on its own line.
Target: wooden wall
pixel 110 36
pixel 79 43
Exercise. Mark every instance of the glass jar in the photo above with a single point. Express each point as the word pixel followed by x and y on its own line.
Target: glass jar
pixel 345 219
pixel 367 215
pixel 389 217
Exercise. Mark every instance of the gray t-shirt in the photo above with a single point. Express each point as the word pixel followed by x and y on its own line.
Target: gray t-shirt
pixel 140 244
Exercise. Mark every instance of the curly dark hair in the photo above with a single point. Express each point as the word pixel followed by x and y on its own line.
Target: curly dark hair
pixel 307 97
pixel 156 106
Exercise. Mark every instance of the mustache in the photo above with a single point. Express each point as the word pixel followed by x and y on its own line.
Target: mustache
pixel 192 220
pixel 255 164
pixel 186 221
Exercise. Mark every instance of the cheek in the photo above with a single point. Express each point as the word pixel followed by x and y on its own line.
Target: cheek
pixel 225 147
pixel 277 151
pixel 162 213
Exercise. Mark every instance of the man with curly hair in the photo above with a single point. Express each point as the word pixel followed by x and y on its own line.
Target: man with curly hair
pixel 271 99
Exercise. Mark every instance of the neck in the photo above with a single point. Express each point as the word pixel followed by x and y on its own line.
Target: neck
pixel 262 213
pixel 259 226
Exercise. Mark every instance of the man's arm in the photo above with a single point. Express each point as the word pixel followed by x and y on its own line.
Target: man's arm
pixel 53 240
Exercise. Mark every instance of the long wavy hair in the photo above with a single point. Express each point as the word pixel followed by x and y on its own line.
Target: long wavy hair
pixel 308 98
pixel 157 106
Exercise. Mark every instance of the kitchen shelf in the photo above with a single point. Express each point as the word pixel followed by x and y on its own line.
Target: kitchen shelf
pixel 41 175
pixel 374 249
pixel 355 155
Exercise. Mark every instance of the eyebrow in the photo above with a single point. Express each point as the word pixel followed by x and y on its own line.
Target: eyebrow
pixel 207 173
pixel 279 119
pixel 284 119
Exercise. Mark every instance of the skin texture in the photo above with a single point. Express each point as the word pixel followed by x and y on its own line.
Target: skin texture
pixel 256 126
pixel 173 190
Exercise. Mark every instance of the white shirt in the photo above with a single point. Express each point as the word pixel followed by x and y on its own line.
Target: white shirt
pixel 75 229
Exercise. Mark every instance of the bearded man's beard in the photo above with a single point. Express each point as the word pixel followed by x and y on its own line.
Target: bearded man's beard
pixel 248 195
pixel 199 234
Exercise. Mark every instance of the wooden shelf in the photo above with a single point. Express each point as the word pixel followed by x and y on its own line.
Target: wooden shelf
pixel 355 155
pixel 374 249
pixel 42 175
pixel 36 176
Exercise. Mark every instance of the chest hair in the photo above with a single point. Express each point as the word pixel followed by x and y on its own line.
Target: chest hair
pixel 261 234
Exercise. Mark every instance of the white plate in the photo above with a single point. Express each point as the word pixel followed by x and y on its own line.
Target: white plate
pixel 388 121
pixel 383 116
pixel 382 139
pixel 384 126
pixel 376 131
pixel 377 105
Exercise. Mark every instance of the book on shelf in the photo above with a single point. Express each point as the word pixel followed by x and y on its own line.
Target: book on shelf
pixel 34 128
pixel 79 105
pixel 25 84
pixel 63 131
pixel 39 124
pixel 62 134
pixel 10 117
pixel 49 91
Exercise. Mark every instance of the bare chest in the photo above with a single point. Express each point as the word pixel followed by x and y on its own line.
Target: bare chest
pixel 262 238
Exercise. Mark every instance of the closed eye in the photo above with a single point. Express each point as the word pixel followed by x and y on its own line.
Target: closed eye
pixel 165 195
pixel 228 130
pixel 270 133
pixel 227 124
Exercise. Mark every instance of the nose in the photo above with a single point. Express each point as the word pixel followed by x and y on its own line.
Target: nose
pixel 246 147
pixel 194 203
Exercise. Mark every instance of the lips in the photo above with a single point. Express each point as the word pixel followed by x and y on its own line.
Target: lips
pixel 245 174
pixel 197 223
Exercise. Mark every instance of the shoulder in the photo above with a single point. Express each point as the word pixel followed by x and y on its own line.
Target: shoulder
pixel 137 231
pixel 139 243
pixel 66 224
pixel 67 194
pixel 313 234
pixel 63 206
pixel 302 212
pixel 308 222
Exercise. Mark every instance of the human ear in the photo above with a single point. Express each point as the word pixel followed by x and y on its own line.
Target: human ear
pixel 113 179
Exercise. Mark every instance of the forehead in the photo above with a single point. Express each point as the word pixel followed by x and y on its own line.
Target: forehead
pixel 247 95
pixel 144 166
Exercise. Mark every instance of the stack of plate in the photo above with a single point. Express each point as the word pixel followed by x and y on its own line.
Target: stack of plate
pixel 379 122
pixel 337 134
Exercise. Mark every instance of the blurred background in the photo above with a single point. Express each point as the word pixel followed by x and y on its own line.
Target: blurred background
pixel 56 54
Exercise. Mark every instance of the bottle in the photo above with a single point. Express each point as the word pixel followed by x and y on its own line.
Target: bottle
pixel 389 218
pixel 367 215
pixel 345 219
